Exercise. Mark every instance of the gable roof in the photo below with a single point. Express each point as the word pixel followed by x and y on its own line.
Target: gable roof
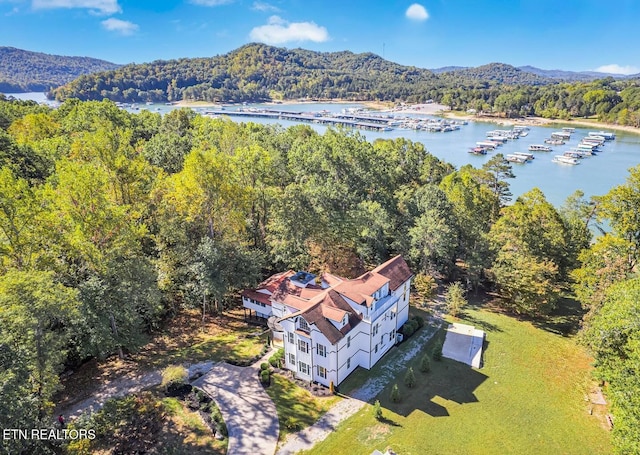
pixel 396 270
pixel 320 306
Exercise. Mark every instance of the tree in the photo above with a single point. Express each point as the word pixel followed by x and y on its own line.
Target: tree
pixel 614 338
pixel 377 410
pixel 455 299
pixel 410 378
pixel 425 286
pixel 529 241
pixel 395 393
pixel 425 364
pixel 35 316
pixel 621 207
pixel 499 169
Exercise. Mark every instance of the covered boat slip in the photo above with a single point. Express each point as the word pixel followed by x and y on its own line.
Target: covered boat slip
pixel 464 344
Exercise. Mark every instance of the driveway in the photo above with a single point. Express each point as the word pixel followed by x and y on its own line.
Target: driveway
pixel 250 415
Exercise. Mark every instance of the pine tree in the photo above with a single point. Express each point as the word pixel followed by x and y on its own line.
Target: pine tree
pixel 410 378
pixel 425 364
pixel 395 393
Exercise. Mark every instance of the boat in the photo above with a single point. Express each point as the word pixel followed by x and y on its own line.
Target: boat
pixel 569 130
pixel 554 141
pixel 516 159
pixel 587 147
pixel 491 145
pixel 573 154
pixel 565 160
pixel 539 148
pixel 561 135
pixel 525 155
pixel 478 150
pixel 604 134
pixel 523 133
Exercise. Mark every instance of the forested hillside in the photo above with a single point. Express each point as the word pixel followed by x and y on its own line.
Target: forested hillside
pixel 112 222
pixel 25 71
pixel 257 72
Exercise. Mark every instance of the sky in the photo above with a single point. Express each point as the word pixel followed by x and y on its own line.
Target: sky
pixel 577 35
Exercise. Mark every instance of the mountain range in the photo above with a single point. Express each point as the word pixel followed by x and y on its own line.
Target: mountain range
pixel 557 74
pixel 26 71
pixel 258 72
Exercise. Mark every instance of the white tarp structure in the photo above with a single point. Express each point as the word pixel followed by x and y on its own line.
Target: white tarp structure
pixel 464 344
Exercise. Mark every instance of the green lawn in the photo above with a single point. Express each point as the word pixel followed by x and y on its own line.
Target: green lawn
pixel 297 408
pixel 528 398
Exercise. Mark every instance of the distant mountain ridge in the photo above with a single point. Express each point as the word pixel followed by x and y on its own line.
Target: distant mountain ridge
pixel 26 71
pixel 500 73
pixel 258 72
pixel 556 74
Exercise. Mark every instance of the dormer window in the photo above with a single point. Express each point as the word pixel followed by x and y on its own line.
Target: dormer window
pixel 302 325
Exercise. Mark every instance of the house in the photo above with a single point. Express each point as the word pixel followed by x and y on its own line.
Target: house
pixel 330 325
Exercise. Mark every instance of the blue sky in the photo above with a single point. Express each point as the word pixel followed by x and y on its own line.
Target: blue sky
pixel 550 34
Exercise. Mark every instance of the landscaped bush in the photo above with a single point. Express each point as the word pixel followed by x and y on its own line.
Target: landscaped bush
pixel 377 410
pixel 395 393
pixel 264 366
pixel 174 377
pixel 276 359
pixel 425 364
pixel 410 378
pixel 419 320
pixel 409 328
pixel 265 377
pixel 436 353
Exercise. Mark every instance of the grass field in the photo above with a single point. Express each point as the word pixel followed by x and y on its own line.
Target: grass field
pixel 529 398
pixel 297 408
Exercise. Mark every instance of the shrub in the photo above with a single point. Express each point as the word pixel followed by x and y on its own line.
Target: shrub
pixel 455 299
pixel 410 378
pixel 395 393
pixel 437 352
pixel 425 364
pixel 265 376
pixel 264 366
pixel 419 321
pixel 425 285
pixel 377 410
pixel 174 377
pixel 409 328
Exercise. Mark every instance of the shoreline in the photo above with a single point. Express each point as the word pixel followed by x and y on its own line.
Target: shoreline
pixel 540 121
pixel 436 110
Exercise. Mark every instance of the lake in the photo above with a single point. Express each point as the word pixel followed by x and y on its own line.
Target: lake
pixel 594 175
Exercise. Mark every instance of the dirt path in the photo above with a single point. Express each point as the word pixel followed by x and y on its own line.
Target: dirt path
pixel 307 438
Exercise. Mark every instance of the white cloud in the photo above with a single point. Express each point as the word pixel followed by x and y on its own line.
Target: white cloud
pixel 618 69
pixel 118 26
pixel 417 12
pixel 279 31
pixel 210 2
pixel 264 7
pixel 100 6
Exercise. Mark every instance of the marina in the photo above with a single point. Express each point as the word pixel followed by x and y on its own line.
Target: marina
pixel 595 176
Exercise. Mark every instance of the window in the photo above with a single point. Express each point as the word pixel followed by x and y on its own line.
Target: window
pixel 321 349
pixel 375 330
pixel 349 363
pixel 292 358
pixel 303 346
pixel 349 341
pixel 322 372
pixel 376 348
pixel 302 325
pixel 382 339
pixel 303 368
pixel 290 335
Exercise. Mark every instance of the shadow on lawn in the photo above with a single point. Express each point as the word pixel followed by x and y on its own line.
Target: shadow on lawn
pixel 448 380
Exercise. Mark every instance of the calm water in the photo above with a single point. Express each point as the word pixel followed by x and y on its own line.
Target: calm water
pixel 594 175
